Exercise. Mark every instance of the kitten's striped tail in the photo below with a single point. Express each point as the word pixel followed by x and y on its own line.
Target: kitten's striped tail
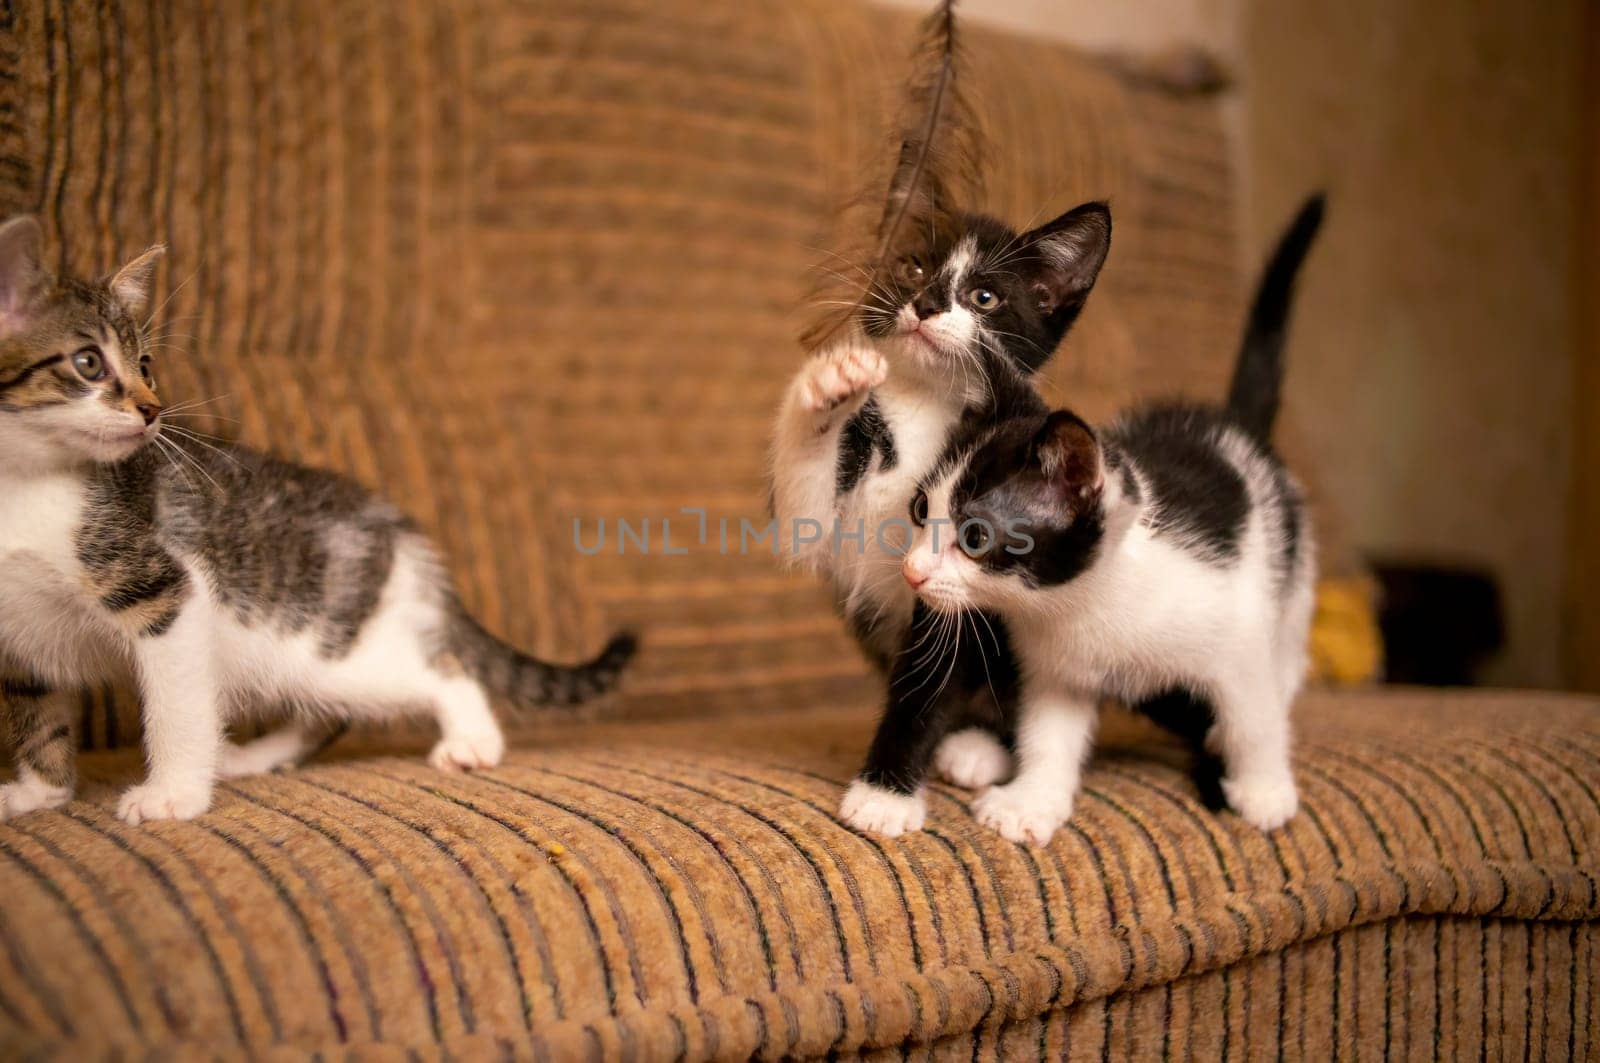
pixel 1258 374
pixel 528 683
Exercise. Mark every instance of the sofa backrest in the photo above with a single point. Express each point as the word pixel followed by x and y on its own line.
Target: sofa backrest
pixel 518 265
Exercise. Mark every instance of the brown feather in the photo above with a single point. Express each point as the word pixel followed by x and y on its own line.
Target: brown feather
pixel 937 175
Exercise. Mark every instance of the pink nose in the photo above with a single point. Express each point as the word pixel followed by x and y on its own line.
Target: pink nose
pixel 914 575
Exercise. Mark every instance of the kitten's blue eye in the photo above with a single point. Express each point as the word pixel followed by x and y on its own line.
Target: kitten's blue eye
pixel 919 509
pixel 983 299
pixel 89 364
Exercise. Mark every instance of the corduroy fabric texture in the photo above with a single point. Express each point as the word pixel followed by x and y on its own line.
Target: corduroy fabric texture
pixel 517 264
pixel 683 890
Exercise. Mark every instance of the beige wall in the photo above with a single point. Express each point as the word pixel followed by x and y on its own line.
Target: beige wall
pixel 1432 359
pixel 1435 344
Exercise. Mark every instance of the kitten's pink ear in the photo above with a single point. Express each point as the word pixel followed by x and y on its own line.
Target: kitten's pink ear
pixel 1069 456
pixel 1073 247
pixel 22 277
pixel 131 284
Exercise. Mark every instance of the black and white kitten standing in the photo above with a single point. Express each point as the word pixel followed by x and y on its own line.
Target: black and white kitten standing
pixel 952 334
pixel 1168 552
pixel 217 579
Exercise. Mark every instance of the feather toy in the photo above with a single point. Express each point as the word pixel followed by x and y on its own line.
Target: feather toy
pixel 938 174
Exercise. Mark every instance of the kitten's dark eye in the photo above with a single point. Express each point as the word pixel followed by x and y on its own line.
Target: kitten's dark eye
pixel 975 538
pixel 919 509
pixel 144 371
pixel 983 299
pixel 89 364
pixel 910 271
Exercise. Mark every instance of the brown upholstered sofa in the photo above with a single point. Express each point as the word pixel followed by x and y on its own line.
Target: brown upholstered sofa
pixel 522 264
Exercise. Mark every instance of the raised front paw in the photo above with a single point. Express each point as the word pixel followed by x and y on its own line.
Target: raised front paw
pixel 1021 813
pixel 840 378
pixel 973 758
pixel 29 794
pixel 1263 801
pixel 880 811
pixel 164 800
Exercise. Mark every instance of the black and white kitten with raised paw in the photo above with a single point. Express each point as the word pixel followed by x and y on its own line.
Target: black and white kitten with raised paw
pixel 952 336
pixel 1167 552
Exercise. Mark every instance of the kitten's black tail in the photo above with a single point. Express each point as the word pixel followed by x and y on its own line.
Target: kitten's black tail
pixel 529 683
pixel 1258 374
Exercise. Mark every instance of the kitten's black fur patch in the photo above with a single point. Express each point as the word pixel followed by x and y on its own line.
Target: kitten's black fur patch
pixel 1196 493
pixel 936 683
pixel 1291 515
pixel 1117 465
pixel 859 622
pixel 864 435
pixel 1189 716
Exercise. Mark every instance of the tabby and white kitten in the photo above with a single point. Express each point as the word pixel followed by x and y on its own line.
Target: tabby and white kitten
pixel 1167 553
pixel 961 323
pixel 213 577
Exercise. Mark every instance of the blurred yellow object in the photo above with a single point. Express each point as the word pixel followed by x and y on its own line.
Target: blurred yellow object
pixel 1346 646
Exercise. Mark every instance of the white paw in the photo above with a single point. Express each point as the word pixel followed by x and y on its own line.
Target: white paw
pixel 1023 814
pixel 973 758
pixel 29 795
pixel 1265 801
pixel 879 811
pixel 840 375
pixel 163 800
pixel 468 752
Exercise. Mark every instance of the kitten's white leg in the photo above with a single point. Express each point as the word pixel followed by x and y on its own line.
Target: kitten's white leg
pixel 831 386
pixel 1053 736
pixel 182 719
pixel 470 736
pixel 973 758
pixel 1252 737
pixel 289 744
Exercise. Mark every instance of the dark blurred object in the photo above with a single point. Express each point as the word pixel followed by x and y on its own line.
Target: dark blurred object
pixel 1179 71
pixel 1439 623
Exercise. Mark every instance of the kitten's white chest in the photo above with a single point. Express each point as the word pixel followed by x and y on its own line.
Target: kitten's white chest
pixel 39 518
pixel 46 627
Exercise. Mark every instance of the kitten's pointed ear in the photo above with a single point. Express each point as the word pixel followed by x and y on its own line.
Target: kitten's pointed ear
pixel 22 277
pixel 131 283
pixel 1068 455
pixel 1073 247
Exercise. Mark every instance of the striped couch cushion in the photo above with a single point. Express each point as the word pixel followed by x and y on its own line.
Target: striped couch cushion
pixel 682 890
